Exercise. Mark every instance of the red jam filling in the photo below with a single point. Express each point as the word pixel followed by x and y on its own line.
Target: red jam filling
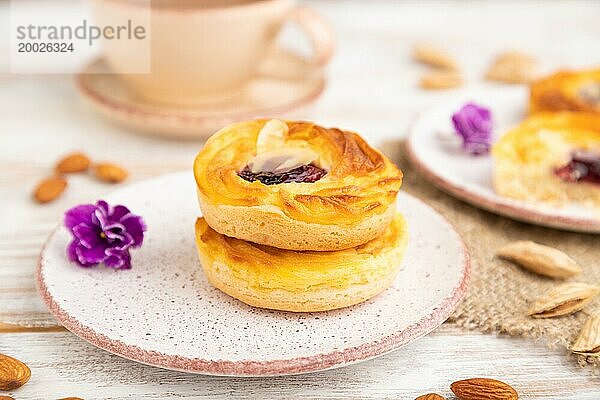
pixel 583 167
pixel 303 174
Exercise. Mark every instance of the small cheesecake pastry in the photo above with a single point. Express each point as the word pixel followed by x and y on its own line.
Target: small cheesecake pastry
pixel 295 185
pixel 551 157
pixel 567 91
pixel 277 279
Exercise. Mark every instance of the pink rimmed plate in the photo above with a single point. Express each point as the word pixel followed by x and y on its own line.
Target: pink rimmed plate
pixel 436 151
pixel 164 313
pixel 285 86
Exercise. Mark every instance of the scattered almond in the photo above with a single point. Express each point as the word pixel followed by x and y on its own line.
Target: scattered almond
pixel 6 398
pixel 540 259
pixel 564 300
pixel 431 55
pixel 441 80
pixel 483 389
pixel 75 162
pixel 49 189
pixel 13 373
pixel 588 342
pixel 108 172
pixel 512 67
pixel 431 396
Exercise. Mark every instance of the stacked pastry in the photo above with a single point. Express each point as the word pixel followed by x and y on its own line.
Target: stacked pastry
pixel 554 154
pixel 297 217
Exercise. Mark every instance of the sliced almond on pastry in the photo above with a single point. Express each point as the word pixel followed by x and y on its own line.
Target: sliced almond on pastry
pixel 282 159
pixel 271 136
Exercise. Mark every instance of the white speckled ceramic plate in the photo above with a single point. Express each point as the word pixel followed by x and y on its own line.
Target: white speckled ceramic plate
pixel 163 312
pixel 436 151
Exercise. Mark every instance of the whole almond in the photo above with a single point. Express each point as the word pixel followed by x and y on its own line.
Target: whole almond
pixel 540 259
pixel 441 80
pixel 483 389
pixel 588 342
pixel 108 172
pixel 512 67
pixel 75 162
pixel 6 398
pixel 431 55
pixel 49 189
pixel 431 396
pixel 565 299
pixel 13 373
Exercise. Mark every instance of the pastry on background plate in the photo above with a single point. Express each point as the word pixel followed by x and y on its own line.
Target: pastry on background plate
pixel 553 157
pixel 568 91
pixel 302 281
pixel 295 185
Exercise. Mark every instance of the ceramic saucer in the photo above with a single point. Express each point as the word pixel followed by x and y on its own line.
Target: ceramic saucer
pixel 435 150
pixel 163 312
pixel 282 87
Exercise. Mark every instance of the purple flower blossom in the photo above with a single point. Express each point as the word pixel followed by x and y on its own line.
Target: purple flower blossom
pixel 103 234
pixel 474 124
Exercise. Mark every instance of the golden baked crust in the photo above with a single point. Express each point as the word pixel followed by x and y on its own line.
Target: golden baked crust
pixel 288 280
pixel 268 225
pixel 350 205
pixel 526 157
pixel 361 180
pixel 567 91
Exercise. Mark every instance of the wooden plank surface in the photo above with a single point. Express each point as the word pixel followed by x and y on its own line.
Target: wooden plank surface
pixel 371 89
pixel 63 365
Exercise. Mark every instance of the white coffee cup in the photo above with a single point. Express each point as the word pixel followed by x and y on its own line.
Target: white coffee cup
pixel 203 50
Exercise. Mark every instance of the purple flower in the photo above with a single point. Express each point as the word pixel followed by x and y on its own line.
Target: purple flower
pixel 474 124
pixel 103 234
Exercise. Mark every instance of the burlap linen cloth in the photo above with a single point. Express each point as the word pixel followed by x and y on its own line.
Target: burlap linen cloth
pixel 499 292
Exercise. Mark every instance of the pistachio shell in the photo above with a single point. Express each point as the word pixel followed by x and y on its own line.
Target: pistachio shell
pixel 564 300
pixel 588 342
pixel 540 259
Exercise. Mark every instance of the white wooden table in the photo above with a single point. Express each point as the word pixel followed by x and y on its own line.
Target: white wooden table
pixel 372 89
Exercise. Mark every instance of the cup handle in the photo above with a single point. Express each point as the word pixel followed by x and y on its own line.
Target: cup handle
pixel 318 31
